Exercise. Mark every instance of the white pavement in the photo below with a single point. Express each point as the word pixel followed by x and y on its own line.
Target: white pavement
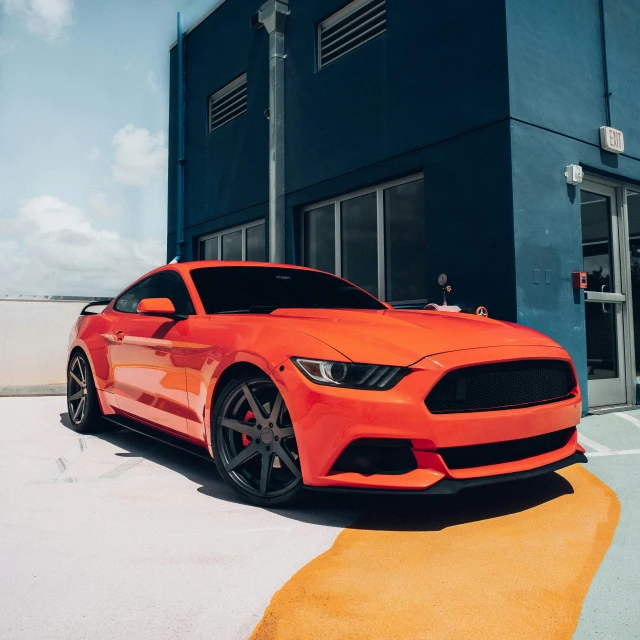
pixel 116 536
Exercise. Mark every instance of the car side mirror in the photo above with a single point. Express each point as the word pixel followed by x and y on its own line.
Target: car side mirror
pixel 162 307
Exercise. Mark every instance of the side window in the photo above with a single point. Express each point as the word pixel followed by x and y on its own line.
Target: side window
pixel 129 300
pixel 163 285
pixel 174 288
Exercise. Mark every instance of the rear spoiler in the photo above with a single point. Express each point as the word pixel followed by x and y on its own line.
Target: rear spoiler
pixel 95 303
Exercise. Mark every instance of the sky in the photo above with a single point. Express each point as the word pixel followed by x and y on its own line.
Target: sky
pixel 84 92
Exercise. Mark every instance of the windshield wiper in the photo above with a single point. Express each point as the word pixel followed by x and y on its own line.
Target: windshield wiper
pixel 260 308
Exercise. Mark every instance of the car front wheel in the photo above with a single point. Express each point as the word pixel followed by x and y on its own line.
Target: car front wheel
pixel 254 444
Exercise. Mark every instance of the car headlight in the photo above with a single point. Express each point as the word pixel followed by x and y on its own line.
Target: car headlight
pixel 350 375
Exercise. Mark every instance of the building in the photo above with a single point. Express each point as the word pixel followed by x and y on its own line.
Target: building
pixel 423 137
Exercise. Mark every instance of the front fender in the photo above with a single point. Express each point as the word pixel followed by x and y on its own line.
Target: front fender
pixel 278 346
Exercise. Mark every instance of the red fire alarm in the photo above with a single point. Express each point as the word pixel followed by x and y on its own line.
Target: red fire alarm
pixel 579 279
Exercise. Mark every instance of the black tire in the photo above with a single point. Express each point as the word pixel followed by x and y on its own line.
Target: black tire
pixel 253 442
pixel 82 400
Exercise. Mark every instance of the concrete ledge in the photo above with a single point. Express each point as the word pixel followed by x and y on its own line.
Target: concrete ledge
pixel 34 390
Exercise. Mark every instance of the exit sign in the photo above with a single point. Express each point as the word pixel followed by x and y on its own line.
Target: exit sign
pixel 611 139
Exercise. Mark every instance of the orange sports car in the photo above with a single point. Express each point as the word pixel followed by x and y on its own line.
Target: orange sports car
pixel 291 378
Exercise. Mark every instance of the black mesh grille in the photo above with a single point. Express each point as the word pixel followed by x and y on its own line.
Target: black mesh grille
pixel 369 456
pixel 503 385
pixel 483 455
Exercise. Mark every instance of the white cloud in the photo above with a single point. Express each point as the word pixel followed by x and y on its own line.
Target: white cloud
pixel 94 154
pixel 46 18
pixel 139 156
pixel 51 247
pixel 100 207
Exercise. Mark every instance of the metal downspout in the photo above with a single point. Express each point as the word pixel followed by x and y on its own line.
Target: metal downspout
pixel 273 16
pixel 605 71
pixel 180 159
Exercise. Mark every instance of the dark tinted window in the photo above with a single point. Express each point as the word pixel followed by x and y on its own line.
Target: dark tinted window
pixel 405 240
pixel 320 238
pixel 360 241
pixel 168 284
pixel 242 289
pixel 255 243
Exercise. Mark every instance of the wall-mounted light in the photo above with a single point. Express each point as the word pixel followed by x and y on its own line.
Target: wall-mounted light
pixel 574 174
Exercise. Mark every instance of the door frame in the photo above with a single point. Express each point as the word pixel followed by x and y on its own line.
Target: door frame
pixel 619 189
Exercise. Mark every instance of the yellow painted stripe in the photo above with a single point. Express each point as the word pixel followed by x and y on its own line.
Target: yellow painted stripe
pixel 513 561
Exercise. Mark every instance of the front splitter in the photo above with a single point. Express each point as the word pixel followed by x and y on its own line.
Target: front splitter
pixel 449 486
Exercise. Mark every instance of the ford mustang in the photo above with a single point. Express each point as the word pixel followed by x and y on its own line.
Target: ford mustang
pixel 291 378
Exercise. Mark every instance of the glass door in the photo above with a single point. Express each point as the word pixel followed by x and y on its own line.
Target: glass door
pixel 604 298
pixel 633 216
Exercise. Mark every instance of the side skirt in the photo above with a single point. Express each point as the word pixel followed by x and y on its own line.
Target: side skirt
pixel 160 436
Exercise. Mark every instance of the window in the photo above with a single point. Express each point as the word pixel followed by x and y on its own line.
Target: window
pixel 255 243
pixel 359 234
pixel 167 284
pixel 228 103
pixel 352 26
pixel 376 238
pixel 232 245
pixel 404 247
pixel 320 239
pixel 633 212
pixel 246 242
pixel 263 289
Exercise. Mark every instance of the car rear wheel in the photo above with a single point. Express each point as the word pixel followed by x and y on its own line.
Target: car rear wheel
pixel 254 444
pixel 82 399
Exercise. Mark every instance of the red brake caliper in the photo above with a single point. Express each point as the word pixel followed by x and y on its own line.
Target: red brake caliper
pixel 245 438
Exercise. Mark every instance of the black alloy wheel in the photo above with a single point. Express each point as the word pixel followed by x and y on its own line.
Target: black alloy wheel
pixel 82 400
pixel 254 443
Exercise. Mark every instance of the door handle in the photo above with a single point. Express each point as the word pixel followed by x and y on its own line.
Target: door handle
pixel 118 335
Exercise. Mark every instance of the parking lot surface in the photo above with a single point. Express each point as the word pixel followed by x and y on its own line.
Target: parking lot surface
pixel 116 535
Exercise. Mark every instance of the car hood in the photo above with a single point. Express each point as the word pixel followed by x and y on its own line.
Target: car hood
pixel 402 337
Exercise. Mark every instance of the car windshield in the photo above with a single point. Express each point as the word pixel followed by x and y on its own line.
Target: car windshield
pixel 264 289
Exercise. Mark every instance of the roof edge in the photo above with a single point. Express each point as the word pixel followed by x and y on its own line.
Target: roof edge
pixel 199 21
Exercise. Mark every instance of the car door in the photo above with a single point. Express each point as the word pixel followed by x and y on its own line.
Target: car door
pixel 147 356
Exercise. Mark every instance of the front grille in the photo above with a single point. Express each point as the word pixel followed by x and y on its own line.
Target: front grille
pixel 502 385
pixel 483 455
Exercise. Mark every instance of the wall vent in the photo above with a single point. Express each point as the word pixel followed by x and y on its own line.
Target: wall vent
pixel 228 103
pixel 352 26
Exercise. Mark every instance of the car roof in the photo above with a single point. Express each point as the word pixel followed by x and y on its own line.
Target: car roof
pixel 185 267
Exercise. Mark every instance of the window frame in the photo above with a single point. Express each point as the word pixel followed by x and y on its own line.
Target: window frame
pixel 149 277
pixel 241 227
pixel 379 190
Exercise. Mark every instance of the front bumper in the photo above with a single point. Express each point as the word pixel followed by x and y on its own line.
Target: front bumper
pixel 449 486
pixel 328 419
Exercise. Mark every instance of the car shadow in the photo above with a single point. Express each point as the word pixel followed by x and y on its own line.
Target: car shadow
pixel 362 511
pixel 196 469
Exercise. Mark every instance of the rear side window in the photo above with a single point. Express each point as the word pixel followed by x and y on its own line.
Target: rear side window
pixel 167 284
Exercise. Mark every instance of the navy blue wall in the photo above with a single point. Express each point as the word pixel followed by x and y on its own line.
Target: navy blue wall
pixel 557 96
pixel 226 171
pixel 468 208
pixel 408 89
pixel 555 66
pixel 491 100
